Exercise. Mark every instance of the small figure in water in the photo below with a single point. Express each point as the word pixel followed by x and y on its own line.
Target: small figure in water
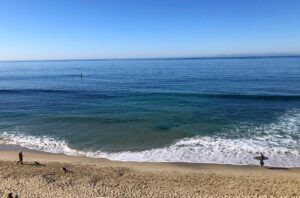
pixel 262 157
pixel 81 75
pixel 20 158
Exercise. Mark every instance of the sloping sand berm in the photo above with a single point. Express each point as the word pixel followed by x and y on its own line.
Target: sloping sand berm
pixel 89 177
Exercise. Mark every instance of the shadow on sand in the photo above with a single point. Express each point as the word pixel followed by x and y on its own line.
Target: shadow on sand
pixel 34 164
pixel 277 168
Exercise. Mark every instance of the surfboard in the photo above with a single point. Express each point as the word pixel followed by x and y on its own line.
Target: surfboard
pixel 259 157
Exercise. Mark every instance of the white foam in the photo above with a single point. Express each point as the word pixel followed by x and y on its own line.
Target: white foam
pixel 41 143
pixel 279 141
pixel 210 150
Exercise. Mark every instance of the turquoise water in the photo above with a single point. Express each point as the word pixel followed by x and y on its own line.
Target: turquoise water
pixel 192 110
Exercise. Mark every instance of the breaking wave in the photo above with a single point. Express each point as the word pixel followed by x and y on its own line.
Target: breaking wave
pixel 280 141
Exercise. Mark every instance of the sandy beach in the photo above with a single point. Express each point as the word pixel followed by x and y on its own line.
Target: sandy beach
pixel 88 177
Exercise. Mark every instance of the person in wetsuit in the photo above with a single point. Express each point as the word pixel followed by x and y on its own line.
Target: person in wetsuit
pixel 20 157
pixel 262 157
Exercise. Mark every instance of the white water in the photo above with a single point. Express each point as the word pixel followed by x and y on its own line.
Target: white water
pixel 279 141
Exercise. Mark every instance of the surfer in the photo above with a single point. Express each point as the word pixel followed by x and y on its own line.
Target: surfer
pixel 20 158
pixel 262 157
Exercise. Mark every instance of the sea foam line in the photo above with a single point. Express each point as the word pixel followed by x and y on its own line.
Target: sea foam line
pixel 283 149
pixel 195 150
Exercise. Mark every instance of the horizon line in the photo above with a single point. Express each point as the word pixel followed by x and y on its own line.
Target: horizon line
pixel 160 58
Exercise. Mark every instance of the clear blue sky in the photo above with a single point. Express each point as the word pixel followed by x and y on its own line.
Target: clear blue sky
pixel 77 29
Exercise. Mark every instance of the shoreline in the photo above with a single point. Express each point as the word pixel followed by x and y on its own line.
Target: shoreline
pixel 13 147
pixel 45 157
pixel 94 177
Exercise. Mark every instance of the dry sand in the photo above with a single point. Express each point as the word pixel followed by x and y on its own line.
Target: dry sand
pixel 103 178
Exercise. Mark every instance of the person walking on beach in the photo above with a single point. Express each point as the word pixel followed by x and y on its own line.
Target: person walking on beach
pixel 262 157
pixel 20 158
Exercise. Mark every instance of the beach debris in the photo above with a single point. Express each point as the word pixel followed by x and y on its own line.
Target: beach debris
pixel 116 185
pixel 121 172
pixel 66 170
pixel 37 163
pixel 94 180
pixel 48 178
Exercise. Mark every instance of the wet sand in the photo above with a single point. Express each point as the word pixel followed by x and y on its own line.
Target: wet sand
pixel 88 177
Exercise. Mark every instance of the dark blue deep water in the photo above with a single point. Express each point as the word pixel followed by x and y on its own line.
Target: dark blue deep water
pixel 193 110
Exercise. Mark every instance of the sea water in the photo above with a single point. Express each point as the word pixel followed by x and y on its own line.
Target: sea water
pixel 224 110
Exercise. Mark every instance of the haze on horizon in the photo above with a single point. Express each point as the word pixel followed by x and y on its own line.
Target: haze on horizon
pixel 79 29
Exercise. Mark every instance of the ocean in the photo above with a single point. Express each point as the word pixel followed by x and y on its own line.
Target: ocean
pixel 223 110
